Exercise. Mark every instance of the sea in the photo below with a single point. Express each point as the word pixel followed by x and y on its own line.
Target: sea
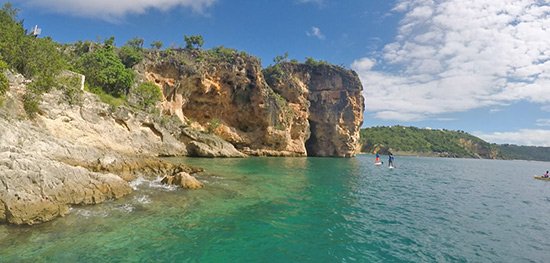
pixel 310 210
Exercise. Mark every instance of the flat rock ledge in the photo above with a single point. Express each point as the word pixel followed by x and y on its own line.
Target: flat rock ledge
pixel 40 189
pixel 37 189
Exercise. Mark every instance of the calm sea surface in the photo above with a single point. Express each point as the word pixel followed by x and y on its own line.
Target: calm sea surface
pixel 310 210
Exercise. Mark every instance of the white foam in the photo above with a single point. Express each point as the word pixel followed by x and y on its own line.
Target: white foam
pixel 88 213
pixel 139 181
pixel 152 184
pixel 157 184
pixel 128 208
pixel 143 199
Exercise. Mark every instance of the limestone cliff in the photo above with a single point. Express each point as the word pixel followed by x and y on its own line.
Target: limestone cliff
pixel 74 155
pixel 306 111
pixel 331 98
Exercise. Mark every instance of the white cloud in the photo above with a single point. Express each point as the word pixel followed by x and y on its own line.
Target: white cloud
pixel 363 64
pixel 317 2
pixel 543 122
pixel 113 10
pixel 528 137
pixel 315 32
pixel 457 55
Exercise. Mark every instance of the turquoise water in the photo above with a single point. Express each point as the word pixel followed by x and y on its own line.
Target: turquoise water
pixel 310 210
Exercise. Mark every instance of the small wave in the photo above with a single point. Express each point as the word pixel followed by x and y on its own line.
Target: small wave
pixel 128 208
pixel 89 213
pixel 152 184
pixel 143 199
pixel 157 184
pixel 139 181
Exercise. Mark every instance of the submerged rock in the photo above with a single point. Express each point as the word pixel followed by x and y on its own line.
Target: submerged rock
pixel 184 180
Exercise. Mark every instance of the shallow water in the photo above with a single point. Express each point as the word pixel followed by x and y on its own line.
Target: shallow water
pixel 310 210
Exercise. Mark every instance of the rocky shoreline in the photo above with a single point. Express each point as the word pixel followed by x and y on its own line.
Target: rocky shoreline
pixel 77 155
pixel 86 153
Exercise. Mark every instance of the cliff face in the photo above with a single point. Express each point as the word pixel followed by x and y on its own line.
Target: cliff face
pixel 334 107
pixel 309 110
pixel 74 155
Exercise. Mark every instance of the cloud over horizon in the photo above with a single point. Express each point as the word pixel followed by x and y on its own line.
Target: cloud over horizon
pixel 110 10
pixel 315 32
pixel 526 137
pixel 455 55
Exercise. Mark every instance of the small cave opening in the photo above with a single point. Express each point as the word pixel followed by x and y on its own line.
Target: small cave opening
pixel 312 142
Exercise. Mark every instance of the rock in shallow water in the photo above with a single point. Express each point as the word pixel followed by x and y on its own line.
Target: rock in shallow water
pixel 184 180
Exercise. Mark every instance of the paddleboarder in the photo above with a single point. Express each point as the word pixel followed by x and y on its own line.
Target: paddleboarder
pixel 390 160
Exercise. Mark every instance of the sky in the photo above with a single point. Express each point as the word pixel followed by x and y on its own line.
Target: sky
pixel 481 66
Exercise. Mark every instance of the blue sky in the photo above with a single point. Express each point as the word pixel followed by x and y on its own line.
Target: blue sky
pixel 482 66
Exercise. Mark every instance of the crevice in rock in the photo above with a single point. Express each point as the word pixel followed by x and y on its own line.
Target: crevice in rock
pixel 122 123
pixel 154 130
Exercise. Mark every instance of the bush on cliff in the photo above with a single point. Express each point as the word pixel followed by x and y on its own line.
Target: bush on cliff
pixel 131 53
pixel 30 104
pixel 11 34
pixel 193 42
pixel 146 95
pixel 104 69
pixel 36 58
pixel 4 84
pixel 313 62
pixel 156 45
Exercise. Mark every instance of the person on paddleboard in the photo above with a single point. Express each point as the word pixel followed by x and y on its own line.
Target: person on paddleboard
pixel 390 160
pixel 377 160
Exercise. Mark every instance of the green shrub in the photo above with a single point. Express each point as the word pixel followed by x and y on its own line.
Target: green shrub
pixel 156 45
pixel 107 98
pixel 130 56
pixel 36 58
pixel 12 34
pixel 312 62
pixel 4 84
pixel 213 124
pixel 42 59
pixel 193 42
pixel 30 104
pixel 103 68
pixel 281 58
pixel 274 74
pixel 131 53
pixel 147 95
pixel 70 85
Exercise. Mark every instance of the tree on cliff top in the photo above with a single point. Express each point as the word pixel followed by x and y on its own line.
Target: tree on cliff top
pixel 193 42
pixel 104 69
pixel 132 52
pixel 36 58
pixel 281 58
pixel 156 45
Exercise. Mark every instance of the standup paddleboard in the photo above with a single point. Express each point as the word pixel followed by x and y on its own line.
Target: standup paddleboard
pixel 538 177
pixel 378 163
pixel 391 167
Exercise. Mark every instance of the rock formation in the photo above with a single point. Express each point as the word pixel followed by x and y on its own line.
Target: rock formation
pixel 301 110
pixel 331 98
pixel 226 106
pixel 74 155
pixel 184 180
